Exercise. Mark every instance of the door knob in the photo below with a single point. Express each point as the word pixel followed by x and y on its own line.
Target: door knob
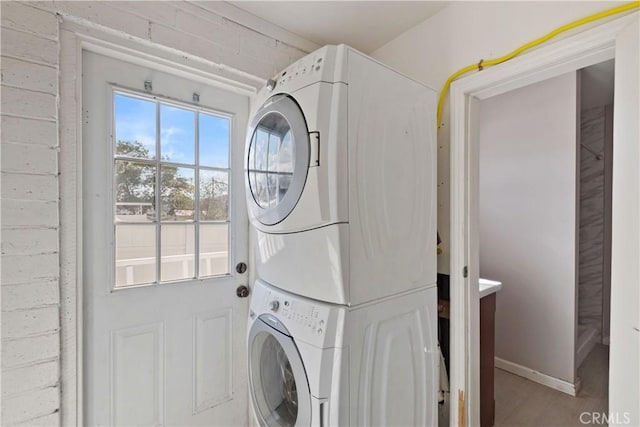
pixel 242 291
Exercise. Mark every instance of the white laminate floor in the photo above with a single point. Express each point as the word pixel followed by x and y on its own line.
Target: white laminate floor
pixel 521 402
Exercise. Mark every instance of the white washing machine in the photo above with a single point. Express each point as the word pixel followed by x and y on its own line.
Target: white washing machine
pixel 320 364
pixel 341 179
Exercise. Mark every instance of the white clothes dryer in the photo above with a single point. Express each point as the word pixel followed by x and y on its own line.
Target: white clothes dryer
pixel 340 173
pixel 320 364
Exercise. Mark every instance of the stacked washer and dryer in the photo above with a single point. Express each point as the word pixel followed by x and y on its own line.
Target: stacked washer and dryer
pixel 340 177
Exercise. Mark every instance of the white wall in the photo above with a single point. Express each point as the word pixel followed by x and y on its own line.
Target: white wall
pixel 30 207
pixel 462 34
pixel 528 221
pixel 30 262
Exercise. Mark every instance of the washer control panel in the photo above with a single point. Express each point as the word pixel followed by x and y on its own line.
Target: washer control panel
pixel 305 319
pixel 306 315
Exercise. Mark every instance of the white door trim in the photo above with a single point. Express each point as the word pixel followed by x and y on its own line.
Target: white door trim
pixel 572 53
pixel 77 35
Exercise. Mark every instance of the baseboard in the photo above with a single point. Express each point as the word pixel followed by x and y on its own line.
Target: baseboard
pixel 538 377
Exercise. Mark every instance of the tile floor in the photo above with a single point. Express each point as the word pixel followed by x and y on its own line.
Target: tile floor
pixel 520 402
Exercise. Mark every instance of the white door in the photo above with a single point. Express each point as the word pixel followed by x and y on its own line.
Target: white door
pixel 624 356
pixel 165 227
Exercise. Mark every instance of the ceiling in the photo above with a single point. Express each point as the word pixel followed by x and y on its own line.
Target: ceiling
pixel 364 25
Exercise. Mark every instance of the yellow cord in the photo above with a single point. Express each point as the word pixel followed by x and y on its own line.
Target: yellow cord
pixel 480 65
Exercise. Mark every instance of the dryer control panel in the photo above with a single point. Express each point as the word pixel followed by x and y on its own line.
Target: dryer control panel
pixel 308 68
pixel 311 321
pixel 325 64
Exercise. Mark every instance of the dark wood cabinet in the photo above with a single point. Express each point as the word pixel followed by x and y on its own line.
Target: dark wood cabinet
pixel 487 359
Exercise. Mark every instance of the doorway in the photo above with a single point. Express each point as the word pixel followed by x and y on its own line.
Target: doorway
pixel 164 226
pixel 617 38
pixel 542 224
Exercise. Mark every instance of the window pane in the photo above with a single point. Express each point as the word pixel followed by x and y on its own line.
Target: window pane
pixel 214 195
pixel 214 249
pixel 177 134
pixel 178 252
pixel 135 127
pixel 135 192
pixel 135 254
pixel 214 141
pixel 177 193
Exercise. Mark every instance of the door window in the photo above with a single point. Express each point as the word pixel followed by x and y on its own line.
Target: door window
pixel 171 191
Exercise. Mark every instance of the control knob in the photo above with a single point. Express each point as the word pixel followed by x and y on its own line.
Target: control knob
pixel 274 305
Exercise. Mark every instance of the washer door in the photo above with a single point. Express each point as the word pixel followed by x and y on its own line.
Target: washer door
pixel 277 159
pixel 278 382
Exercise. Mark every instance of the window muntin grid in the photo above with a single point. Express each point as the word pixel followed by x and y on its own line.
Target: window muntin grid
pixel 171 190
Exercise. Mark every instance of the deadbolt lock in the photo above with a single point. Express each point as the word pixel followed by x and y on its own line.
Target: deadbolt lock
pixel 241 267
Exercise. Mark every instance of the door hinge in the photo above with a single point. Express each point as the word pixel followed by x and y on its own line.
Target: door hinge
pixel 465 271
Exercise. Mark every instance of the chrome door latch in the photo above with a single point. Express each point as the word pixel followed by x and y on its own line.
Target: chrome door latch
pixel 242 291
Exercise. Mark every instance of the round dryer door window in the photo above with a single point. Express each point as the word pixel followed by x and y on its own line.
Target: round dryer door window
pixel 278 159
pixel 279 385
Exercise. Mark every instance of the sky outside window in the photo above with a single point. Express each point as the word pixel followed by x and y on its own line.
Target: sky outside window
pixel 214 141
pixel 177 134
pixel 135 121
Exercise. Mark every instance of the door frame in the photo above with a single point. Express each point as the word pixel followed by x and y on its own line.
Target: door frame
pixel 577 51
pixel 76 36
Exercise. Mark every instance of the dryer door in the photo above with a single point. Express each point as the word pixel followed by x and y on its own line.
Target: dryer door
pixel 278 381
pixel 277 159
